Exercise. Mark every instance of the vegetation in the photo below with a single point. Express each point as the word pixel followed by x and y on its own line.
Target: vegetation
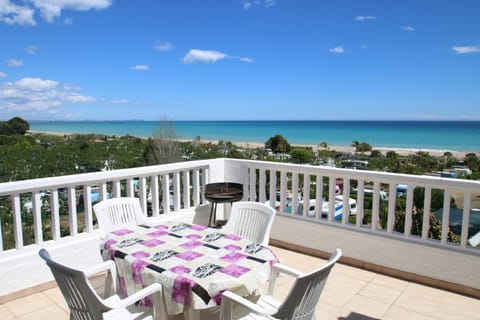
pixel 278 144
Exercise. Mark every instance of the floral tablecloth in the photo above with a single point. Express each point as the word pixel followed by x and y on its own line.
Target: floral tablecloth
pixel 194 263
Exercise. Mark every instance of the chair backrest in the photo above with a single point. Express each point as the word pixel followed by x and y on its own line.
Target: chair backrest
pixel 81 298
pixel 117 212
pixel 303 297
pixel 251 220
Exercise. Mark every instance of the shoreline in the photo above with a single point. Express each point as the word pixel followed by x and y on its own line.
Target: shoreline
pixel 338 148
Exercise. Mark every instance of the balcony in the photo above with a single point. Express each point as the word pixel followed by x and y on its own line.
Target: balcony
pixel 385 237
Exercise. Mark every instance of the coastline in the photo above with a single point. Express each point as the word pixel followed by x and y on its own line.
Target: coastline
pixel 250 144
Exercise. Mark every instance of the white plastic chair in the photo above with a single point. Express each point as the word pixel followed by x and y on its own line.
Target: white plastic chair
pixel 117 212
pixel 299 304
pixel 85 304
pixel 251 220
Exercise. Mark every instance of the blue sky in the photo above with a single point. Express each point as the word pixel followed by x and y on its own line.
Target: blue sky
pixel 240 60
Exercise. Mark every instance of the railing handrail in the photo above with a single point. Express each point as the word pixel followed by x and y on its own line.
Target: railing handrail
pixel 21 186
pixel 365 174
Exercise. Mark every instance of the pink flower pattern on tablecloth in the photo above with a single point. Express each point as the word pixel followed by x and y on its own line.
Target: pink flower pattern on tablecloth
pixel 189 255
pixel 122 232
pixel 137 268
pixel 197 227
pixel 152 243
pixel 232 247
pixel 140 254
pixel 157 233
pixel 191 244
pixel 233 237
pixel 109 243
pixel 182 290
pixel 233 257
pixel 235 270
pixel 180 269
pixel 193 236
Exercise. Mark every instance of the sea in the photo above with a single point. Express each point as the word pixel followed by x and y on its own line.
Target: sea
pixel 422 135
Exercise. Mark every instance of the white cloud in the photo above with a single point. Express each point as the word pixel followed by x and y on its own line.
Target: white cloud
pixel 163 46
pixel 140 67
pixel 407 28
pixel 31 49
pixel 209 56
pixel 466 49
pixel 68 21
pixel 119 101
pixel 11 14
pixel 14 63
pixel 365 18
pixel 337 49
pixel 2 74
pixel 35 84
pixel 248 4
pixel 203 56
pixel 50 9
pixel 34 94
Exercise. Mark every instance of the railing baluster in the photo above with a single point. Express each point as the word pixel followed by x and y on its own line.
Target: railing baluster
pixel 153 195
pixel 262 185
pixel 195 187
pixel 283 190
pixel 375 205
pixel 176 191
pixel 37 217
pixel 294 193
pixel 360 199
pixel 17 222
pixel 306 195
pixel 392 199
pixel 319 199
pixel 273 188
pixel 72 212
pixel 251 184
pixel 427 203
pixel 166 193
pixel 186 189
pixel 346 200
pixel 409 211
pixel 467 198
pixel 446 216
pixel 55 227
pixel 332 183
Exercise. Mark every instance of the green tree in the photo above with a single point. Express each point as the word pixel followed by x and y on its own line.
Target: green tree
pixel 299 155
pixel 471 160
pixel 324 145
pixel 278 144
pixel 18 125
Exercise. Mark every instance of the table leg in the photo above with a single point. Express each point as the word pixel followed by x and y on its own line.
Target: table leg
pixel 213 215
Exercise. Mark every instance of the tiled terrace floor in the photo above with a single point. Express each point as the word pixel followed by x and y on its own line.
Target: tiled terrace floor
pixel 350 294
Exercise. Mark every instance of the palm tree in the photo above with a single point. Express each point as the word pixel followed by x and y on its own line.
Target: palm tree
pixel 355 144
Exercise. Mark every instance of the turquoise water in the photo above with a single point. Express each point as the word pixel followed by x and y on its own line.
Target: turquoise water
pixel 439 135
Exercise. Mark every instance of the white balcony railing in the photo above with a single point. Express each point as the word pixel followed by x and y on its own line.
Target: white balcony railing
pixel 61 207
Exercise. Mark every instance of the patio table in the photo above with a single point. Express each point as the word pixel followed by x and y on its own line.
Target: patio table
pixel 194 263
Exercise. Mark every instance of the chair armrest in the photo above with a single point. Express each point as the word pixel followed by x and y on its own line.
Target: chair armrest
pixel 104 266
pixel 154 289
pixel 229 297
pixel 276 270
pixel 278 267
pixel 111 278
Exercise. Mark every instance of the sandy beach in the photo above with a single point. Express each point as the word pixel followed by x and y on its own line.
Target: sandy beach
pixel 401 151
pixel 249 144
